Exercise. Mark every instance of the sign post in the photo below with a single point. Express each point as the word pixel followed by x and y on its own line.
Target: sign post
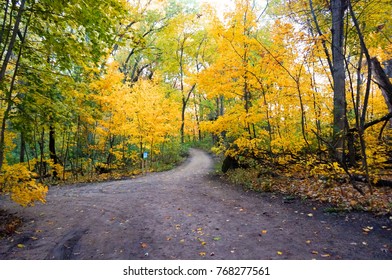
pixel 144 162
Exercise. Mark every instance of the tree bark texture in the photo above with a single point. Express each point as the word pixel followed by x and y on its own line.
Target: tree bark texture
pixel 383 82
pixel 338 8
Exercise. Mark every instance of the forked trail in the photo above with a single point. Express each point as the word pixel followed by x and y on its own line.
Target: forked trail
pixel 187 213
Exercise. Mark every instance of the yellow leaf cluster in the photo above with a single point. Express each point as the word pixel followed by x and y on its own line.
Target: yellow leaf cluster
pixel 141 113
pixel 20 183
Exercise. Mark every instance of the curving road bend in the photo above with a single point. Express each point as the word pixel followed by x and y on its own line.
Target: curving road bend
pixel 187 213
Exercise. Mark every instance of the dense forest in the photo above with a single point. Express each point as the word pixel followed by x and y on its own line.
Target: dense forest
pixel 296 93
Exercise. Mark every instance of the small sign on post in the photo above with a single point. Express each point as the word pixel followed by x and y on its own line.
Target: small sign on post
pixel 144 162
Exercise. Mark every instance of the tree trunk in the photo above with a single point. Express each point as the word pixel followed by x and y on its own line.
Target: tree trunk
pixel 52 144
pixel 2 133
pixel 185 100
pixel 338 8
pixel 42 163
pixel 182 129
pixel 388 68
pixel 22 148
pixel 52 148
pixel 383 82
pixel 110 158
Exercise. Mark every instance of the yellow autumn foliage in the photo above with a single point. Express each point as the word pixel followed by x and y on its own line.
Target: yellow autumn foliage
pixel 141 113
pixel 20 184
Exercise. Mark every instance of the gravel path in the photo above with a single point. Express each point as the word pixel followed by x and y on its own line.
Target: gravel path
pixel 188 213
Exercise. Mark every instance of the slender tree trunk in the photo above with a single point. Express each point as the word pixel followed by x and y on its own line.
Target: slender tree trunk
pixel 267 115
pixel 66 154
pixel 185 100
pixel 303 116
pixel 383 82
pixel 22 148
pixel 222 105
pixel 320 33
pixel 52 147
pixel 52 144
pixel 197 116
pixel 248 104
pixel 367 94
pixel 77 148
pixel 2 132
pixel 42 164
pixel 141 154
pixel 182 129
pixel 316 108
pixel 110 158
pixel 338 8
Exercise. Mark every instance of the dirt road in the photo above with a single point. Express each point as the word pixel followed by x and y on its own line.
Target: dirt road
pixel 188 213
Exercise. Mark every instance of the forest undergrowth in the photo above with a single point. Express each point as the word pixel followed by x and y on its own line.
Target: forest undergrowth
pixel 336 192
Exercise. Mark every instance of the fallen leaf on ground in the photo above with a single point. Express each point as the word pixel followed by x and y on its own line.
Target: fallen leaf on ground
pixel 143 245
pixel 314 252
pixel 367 229
pixel 308 241
pixel 279 253
pixel 217 238
pixel 202 254
pixel 325 255
pixel 264 231
pixel 310 215
pixel 20 246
